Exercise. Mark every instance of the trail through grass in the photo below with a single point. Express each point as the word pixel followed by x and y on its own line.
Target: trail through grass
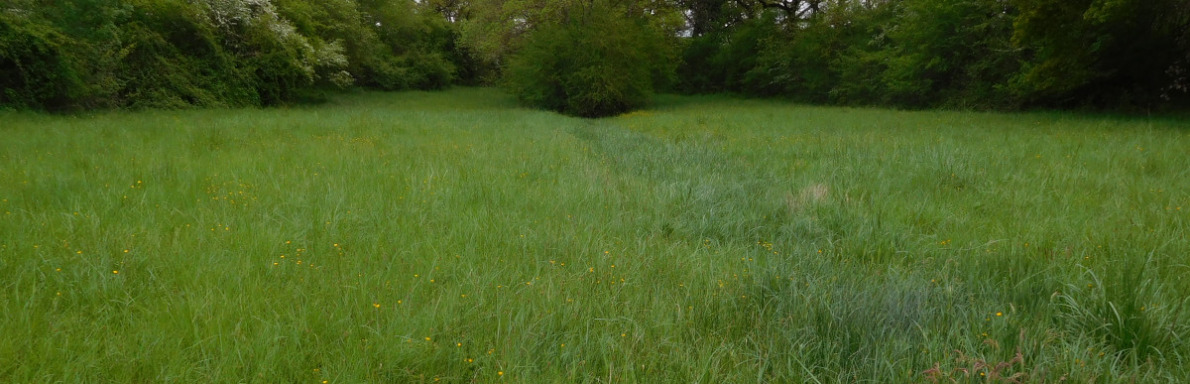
pixel 421 237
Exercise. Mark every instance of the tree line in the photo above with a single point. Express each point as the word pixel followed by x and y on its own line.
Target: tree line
pixel 598 57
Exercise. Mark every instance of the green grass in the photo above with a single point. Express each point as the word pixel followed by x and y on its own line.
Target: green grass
pixel 454 236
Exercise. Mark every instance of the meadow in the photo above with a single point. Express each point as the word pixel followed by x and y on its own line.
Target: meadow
pixel 456 237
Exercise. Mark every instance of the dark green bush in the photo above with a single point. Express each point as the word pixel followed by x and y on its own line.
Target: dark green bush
pixel 596 62
pixel 720 61
pixel 1099 53
pixel 182 53
pixel 762 56
pixel 37 71
pixel 954 53
pixel 796 65
pixel 172 57
pixel 385 45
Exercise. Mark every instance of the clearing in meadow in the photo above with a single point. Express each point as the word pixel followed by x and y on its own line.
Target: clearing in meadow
pixel 418 237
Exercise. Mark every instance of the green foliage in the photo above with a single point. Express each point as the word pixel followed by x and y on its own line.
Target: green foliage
pixel 801 63
pixel 722 59
pixel 182 53
pixel 169 56
pixel 865 60
pixel 594 63
pixel 696 74
pixel 951 53
pixel 984 54
pixel 385 44
pixel 808 61
pixel 1098 52
pixel 37 71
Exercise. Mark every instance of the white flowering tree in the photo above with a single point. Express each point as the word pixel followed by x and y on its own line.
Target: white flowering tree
pixel 314 58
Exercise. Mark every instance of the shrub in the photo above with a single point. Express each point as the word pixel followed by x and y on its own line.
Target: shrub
pixel 593 63
pixel 37 72
pixel 171 57
pixel 954 53
pixel 182 53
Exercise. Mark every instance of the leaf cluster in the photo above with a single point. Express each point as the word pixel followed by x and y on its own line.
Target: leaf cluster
pixel 176 53
pixel 597 60
pixel 984 54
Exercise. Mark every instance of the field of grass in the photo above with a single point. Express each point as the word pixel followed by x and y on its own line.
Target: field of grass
pixel 454 237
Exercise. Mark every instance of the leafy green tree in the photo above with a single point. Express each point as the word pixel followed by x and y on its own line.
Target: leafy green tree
pixel 722 59
pixel 797 61
pixel 594 62
pixel 1178 87
pixel 951 53
pixel 784 50
pixel 180 53
pixel 1097 52
pixel 37 71
pixel 168 54
pixel 598 57
pixel 863 60
pixel 381 44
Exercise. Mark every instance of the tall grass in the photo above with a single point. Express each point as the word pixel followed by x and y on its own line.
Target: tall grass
pixel 422 237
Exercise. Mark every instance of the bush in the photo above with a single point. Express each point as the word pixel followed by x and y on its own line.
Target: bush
pixel 384 45
pixel 721 60
pixel 171 57
pixel 1099 53
pixel 594 63
pixel 37 72
pixel 954 53
pixel 182 53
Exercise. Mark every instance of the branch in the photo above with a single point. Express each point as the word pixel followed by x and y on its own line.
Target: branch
pixel 790 9
pixel 794 9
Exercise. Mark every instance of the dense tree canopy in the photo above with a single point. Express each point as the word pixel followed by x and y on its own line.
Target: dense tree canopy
pixel 172 53
pixel 596 59
pixel 599 57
